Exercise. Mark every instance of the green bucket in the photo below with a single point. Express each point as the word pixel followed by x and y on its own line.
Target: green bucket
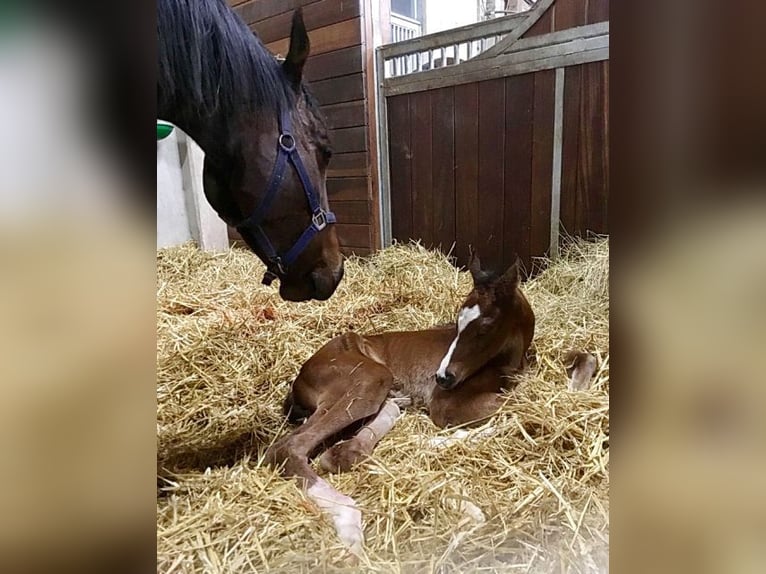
pixel 163 130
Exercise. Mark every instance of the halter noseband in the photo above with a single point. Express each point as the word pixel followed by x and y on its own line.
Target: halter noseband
pixel 278 264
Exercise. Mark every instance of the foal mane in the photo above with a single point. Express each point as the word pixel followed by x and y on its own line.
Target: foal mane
pixel 211 61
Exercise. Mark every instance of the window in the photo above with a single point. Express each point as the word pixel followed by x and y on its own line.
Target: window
pixel 407 8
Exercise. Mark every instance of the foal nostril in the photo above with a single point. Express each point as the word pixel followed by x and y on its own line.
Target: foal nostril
pixel 447 380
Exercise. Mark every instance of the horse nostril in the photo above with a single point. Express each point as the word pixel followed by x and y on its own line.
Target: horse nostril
pixel 447 380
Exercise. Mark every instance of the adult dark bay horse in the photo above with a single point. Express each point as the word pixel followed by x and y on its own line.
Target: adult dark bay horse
pixel 456 371
pixel 265 142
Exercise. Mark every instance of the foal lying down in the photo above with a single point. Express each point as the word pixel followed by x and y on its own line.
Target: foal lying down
pixel 457 372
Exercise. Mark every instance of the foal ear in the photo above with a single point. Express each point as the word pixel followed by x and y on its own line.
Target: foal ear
pixel 299 49
pixel 512 276
pixel 474 266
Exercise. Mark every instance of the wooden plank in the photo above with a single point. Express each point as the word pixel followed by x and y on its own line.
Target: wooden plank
pixel 348 165
pixel 346 189
pixel 560 54
pixel 381 146
pixel 350 235
pixel 326 39
pixel 570 149
pixel 349 139
pixel 422 176
pixel 315 15
pixel 569 14
pixel 443 166
pixel 337 90
pixel 491 172
pixel 598 11
pixel 531 17
pixel 594 150
pixel 560 37
pixel 558 121
pixel 357 212
pixel 466 169
pixel 333 64
pixel 454 36
pixel 544 24
pixel 519 108
pixel 345 114
pixel 254 10
pixel 370 33
pixel 400 156
pixel 542 163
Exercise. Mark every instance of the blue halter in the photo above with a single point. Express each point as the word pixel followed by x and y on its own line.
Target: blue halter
pixel 278 265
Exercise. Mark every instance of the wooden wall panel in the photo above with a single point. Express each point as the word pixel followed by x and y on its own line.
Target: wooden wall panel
pixel 315 15
pixel 345 114
pixel 598 11
pixel 543 26
pixel 569 14
pixel 349 139
pixel 338 90
pixel 594 146
pixel 570 153
pixel 542 162
pixel 333 64
pixel 400 155
pixel 422 160
pixel 346 188
pixel 466 169
pixel 326 39
pixel 519 106
pixel 491 172
pixel 443 166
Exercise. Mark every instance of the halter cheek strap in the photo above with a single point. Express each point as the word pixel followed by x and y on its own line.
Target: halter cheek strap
pixel 278 264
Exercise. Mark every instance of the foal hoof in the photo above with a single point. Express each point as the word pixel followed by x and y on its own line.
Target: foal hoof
pixel 581 368
pixel 342 456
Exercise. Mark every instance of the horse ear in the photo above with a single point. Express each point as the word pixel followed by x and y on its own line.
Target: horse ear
pixel 474 266
pixel 512 276
pixel 299 49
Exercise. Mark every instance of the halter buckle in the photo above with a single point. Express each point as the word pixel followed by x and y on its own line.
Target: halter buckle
pixel 287 142
pixel 319 220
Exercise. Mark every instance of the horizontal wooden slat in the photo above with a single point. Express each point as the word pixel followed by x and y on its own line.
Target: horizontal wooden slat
pixel 333 64
pixel 345 115
pixel 350 235
pixel 346 188
pixel 315 15
pixel 348 165
pixel 326 39
pixel 454 36
pixel 255 10
pixel 336 90
pixel 559 55
pixel 357 212
pixel 349 139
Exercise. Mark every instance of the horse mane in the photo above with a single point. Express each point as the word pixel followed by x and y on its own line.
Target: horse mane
pixel 211 61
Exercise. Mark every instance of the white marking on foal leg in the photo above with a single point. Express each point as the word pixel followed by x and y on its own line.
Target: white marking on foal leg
pixel 346 517
pixel 584 368
pixel 464 318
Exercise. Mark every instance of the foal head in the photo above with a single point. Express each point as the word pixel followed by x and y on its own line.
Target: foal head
pixel 495 320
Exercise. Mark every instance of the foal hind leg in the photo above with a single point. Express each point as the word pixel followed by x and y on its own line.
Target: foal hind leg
pixel 336 408
pixel 342 456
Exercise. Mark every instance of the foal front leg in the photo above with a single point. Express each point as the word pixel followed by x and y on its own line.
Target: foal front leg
pixel 342 456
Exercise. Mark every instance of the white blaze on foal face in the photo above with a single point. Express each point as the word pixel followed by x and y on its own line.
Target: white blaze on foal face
pixel 464 318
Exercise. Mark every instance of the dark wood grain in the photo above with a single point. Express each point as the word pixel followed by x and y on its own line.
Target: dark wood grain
pixel 315 15
pixel 544 25
pixel 344 114
pixel 598 11
pixel 349 139
pixel 570 153
pixel 422 176
pixel 325 39
pixel 466 169
pixel 346 188
pixel 348 165
pixel 400 159
pixel 443 166
pixel 254 10
pixel 357 212
pixel 593 168
pixel 519 107
pixel 350 235
pixel 333 64
pixel 336 90
pixel 569 14
pixel 491 172
pixel 542 162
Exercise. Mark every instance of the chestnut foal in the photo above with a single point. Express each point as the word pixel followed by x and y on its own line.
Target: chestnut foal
pixel 457 372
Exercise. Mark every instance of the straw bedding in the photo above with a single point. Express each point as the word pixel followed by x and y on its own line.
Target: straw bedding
pixel 227 351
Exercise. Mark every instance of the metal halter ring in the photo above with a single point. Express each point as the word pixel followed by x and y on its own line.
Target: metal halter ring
pixel 319 220
pixel 287 142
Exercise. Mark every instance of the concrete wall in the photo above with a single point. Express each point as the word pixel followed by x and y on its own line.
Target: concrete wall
pixel 183 213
